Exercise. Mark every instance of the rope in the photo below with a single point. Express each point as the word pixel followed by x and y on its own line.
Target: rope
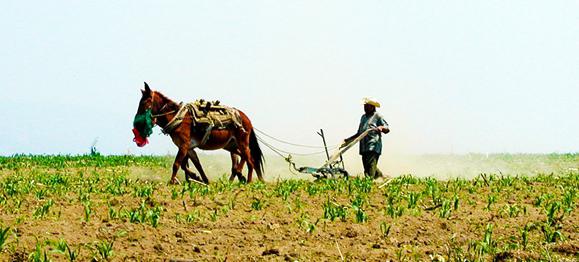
pixel 287 159
pixel 293 144
pixel 291 164
pixel 277 150
pixel 270 147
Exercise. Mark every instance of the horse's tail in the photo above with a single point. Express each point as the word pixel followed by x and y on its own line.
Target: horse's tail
pixel 256 152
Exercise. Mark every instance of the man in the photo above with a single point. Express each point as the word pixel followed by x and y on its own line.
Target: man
pixel 371 145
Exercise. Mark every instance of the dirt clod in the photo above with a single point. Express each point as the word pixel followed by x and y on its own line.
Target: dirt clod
pixel 272 251
pixel 178 234
pixel 114 202
pixel 351 234
pixel 568 248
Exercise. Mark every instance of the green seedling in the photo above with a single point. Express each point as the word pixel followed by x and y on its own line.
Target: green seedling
pixel 3 237
pixel 105 249
pixel 39 254
pixel 214 215
pixel 525 234
pixel 192 217
pixel 413 198
pixel 60 246
pixel 385 228
pixel 455 202
pixel 551 210
pixel 43 210
pixel 257 204
pixel 491 199
pixel 394 211
pixel 332 211
pixel 445 209
pixel 87 211
pixel 551 235
pixel 72 254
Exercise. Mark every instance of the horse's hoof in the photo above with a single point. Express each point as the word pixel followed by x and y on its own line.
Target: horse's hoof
pixel 239 176
pixel 174 182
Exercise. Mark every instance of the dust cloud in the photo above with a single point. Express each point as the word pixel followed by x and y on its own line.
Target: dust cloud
pixel 440 166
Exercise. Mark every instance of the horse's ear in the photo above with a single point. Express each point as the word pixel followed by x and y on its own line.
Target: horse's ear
pixel 147 90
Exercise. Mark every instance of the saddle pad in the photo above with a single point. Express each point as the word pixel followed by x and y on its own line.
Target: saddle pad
pixel 213 114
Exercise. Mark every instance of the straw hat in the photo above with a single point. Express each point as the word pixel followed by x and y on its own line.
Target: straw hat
pixel 370 101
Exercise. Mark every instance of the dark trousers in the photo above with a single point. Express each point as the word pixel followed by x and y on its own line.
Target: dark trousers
pixel 370 161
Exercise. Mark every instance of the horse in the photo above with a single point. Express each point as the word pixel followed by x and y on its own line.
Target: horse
pixel 241 141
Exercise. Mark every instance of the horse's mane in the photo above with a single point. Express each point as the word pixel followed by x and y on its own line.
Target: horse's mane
pixel 170 103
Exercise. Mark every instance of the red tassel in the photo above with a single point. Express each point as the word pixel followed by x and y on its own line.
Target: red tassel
pixel 141 141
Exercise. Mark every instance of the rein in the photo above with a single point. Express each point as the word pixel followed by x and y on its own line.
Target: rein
pixel 163 114
pixel 173 122
pixel 160 110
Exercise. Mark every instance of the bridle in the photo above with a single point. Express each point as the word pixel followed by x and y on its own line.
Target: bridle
pixel 154 117
pixel 163 114
pixel 160 110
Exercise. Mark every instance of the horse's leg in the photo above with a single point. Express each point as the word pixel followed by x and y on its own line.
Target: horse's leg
pixel 247 140
pixel 184 167
pixel 233 166
pixel 197 163
pixel 236 165
pixel 181 155
pixel 188 173
pixel 246 157
pixel 238 171
pixel 237 168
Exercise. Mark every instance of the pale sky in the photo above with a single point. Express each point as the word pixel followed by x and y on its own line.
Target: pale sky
pixel 452 76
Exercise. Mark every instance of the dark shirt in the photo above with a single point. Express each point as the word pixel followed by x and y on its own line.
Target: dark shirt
pixel 373 141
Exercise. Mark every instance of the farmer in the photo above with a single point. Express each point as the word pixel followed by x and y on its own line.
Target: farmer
pixel 371 145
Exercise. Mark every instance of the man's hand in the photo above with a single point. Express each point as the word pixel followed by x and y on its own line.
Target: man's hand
pixel 345 142
pixel 383 129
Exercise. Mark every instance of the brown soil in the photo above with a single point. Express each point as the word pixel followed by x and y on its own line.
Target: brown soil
pixel 230 227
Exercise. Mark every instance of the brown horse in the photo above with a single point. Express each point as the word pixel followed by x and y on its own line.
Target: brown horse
pixel 239 141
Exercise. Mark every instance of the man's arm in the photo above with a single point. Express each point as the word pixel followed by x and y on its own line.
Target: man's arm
pixel 382 126
pixel 383 129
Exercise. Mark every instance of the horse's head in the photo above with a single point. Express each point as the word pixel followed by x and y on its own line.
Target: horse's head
pixel 143 122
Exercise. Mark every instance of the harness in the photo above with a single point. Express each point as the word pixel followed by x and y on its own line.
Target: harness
pixel 205 114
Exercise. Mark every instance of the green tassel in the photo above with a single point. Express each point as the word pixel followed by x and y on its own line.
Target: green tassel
pixel 144 123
